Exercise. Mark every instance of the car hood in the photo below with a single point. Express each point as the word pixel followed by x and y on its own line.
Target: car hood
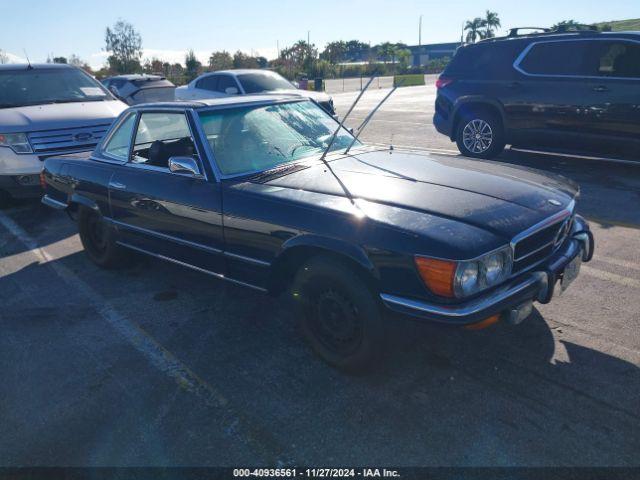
pixel 495 197
pixel 59 115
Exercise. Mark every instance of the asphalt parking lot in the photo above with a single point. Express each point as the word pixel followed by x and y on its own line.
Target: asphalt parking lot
pixel 157 365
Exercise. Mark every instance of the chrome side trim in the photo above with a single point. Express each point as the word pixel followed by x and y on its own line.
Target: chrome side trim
pixel 193 267
pixel 164 236
pixel 525 52
pixel 242 258
pixel 50 202
pixel 468 309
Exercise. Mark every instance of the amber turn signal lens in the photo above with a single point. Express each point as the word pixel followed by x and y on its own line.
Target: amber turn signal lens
pixel 437 275
pixel 487 322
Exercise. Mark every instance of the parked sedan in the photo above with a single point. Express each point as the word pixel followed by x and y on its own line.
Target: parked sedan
pixel 140 88
pixel 246 82
pixel 241 189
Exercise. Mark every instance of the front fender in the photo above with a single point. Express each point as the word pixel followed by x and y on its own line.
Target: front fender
pixel 331 245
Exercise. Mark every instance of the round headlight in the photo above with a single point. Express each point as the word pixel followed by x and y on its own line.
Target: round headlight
pixel 468 278
pixel 494 266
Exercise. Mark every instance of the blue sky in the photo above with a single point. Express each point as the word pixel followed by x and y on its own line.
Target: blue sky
pixel 169 28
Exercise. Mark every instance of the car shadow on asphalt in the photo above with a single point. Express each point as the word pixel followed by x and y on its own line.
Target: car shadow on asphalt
pixel 610 192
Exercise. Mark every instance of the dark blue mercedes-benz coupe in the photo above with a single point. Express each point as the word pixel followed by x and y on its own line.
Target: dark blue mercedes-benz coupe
pixel 261 191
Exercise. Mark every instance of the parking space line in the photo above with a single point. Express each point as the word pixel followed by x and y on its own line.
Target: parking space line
pixel 442 151
pixel 612 277
pixel 579 157
pixel 617 262
pixel 259 439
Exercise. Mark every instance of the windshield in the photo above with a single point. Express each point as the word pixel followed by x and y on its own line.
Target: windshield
pixel 252 139
pixel 263 82
pixel 19 88
pixel 160 94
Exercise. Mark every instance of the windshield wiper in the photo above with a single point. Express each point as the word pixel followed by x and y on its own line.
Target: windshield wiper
pixel 368 118
pixel 278 171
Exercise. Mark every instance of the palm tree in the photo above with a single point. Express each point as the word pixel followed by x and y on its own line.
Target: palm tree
pixel 474 29
pixel 491 23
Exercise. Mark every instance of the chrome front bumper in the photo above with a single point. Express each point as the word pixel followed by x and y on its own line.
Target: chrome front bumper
pixel 538 285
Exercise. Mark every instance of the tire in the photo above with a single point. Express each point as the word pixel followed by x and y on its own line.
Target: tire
pixel 340 316
pixel 480 134
pixel 98 239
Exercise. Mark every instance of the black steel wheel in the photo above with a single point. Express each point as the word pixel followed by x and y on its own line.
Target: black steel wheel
pixel 98 239
pixel 340 315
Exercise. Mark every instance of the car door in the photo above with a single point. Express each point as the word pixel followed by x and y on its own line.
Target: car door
pixel 176 216
pixel 614 89
pixel 227 85
pixel 207 87
pixel 550 106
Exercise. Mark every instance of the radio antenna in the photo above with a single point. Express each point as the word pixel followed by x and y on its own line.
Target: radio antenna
pixel 29 66
pixel 367 119
pixel 335 134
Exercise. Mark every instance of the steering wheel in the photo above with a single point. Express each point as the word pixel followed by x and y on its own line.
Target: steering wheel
pixel 292 150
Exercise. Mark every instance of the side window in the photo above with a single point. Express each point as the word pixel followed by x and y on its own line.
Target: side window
pixel 615 59
pixel 208 83
pixel 227 81
pixel 557 58
pixel 161 136
pixel 118 145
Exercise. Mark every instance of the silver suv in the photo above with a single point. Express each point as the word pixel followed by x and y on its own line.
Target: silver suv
pixel 49 109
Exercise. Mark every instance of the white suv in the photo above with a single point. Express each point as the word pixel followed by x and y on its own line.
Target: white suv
pixel 45 110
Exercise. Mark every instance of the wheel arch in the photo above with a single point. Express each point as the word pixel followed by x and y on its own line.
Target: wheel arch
pixel 78 200
pixel 468 104
pixel 298 250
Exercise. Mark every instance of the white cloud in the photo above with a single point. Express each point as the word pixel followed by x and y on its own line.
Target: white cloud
pixel 13 58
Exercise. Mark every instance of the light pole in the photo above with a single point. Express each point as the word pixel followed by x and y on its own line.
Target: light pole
pixel 420 32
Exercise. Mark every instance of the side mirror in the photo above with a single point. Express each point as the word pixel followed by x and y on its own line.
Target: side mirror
pixel 184 166
pixel 231 91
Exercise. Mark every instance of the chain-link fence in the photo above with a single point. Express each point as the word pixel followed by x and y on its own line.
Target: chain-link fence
pixel 353 84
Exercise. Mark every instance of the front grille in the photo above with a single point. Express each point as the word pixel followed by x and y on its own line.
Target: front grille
pixel 540 243
pixel 67 140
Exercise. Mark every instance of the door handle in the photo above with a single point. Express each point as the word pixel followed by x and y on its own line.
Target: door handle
pixel 118 185
pixel 600 89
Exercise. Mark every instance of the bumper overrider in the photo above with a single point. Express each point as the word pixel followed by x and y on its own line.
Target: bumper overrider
pixel 512 301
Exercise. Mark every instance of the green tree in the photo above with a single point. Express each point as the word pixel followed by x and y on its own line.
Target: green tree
pixel 491 23
pixel 387 51
pixel 568 24
pixel 125 47
pixel 220 60
pixel 354 48
pixel 154 65
pixel 59 60
pixel 474 29
pixel 242 60
pixel 262 62
pixel 334 52
pixel 404 57
pixel 192 66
